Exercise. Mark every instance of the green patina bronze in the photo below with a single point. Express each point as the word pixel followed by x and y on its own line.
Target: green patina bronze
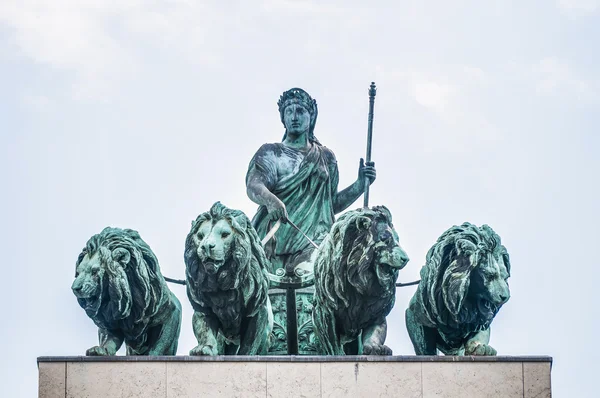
pixel 356 269
pixel 312 286
pixel 297 180
pixel 119 285
pixel 227 284
pixel 463 286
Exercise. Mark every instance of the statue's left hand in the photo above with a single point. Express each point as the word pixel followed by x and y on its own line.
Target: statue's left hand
pixel 366 171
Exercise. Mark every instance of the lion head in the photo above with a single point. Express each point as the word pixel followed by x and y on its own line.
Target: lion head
pixel 223 252
pixel 464 281
pixel 117 278
pixel 360 255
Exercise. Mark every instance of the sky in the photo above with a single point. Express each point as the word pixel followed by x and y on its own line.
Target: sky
pixel 141 114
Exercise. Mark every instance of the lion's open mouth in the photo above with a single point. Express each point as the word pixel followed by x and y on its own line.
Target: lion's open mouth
pixel 486 308
pixel 212 266
pixel 91 305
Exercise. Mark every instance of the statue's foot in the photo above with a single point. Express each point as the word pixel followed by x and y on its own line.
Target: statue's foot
pixel 479 349
pixel 376 349
pixel 203 350
pixel 97 352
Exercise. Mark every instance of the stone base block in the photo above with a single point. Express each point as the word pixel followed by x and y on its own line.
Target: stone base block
pixel 289 376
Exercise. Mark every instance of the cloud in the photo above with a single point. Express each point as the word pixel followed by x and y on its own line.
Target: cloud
pixel 431 94
pixel 557 77
pixel 40 103
pixel 99 43
pixel 447 105
pixel 578 8
pixel 68 35
pixel 300 6
pixel 448 90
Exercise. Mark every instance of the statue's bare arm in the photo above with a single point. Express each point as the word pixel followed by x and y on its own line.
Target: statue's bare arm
pixel 344 198
pixel 260 194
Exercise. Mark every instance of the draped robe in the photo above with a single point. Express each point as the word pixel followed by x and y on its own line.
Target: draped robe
pixel 306 184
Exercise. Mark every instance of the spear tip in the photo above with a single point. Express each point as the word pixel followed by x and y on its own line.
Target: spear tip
pixel 372 90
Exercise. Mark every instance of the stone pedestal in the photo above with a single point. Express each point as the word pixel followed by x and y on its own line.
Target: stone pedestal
pixel 300 376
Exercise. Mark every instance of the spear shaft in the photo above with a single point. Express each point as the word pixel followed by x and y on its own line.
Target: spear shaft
pixel 372 93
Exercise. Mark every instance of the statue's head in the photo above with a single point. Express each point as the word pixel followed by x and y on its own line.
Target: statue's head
pixel 298 111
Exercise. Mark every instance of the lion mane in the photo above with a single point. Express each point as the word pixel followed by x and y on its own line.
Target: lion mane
pixel 347 253
pixel 244 268
pixel 444 299
pixel 350 284
pixel 133 294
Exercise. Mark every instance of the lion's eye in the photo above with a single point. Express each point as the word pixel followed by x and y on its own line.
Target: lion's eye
pixel 94 271
pixel 225 235
pixel 490 275
pixel 387 238
pixel 200 236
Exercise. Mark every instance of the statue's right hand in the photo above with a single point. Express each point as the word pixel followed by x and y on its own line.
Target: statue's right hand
pixel 277 211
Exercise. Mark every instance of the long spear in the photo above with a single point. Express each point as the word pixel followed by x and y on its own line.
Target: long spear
pixel 372 93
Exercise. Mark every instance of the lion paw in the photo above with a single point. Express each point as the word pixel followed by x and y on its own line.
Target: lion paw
pixel 97 352
pixel 376 349
pixel 479 349
pixel 203 350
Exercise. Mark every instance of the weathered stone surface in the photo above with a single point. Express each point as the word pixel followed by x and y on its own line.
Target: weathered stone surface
pixel 293 379
pixel 52 380
pixel 104 379
pixel 465 379
pixel 216 379
pixel 285 376
pixel 536 380
pixel 358 379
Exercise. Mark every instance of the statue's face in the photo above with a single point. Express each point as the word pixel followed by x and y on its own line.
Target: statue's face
pixel 296 119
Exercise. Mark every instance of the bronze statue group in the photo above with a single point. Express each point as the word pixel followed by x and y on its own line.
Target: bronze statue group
pixel 294 280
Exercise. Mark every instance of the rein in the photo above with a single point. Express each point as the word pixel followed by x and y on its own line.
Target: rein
pixel 270 235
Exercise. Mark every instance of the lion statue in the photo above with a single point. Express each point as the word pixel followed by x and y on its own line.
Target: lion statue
pixel 356 269
pixel 119 285
pixel 227 284
pixel 463 285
